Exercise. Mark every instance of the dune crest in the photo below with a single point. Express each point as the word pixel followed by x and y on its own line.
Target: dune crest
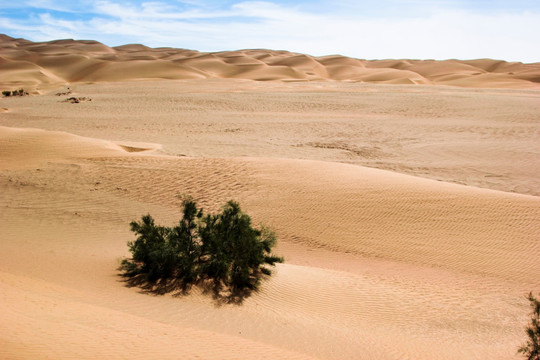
pixel 23 148
pixel 30 64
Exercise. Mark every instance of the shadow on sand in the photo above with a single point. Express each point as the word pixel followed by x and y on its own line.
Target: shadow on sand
pixel 177 287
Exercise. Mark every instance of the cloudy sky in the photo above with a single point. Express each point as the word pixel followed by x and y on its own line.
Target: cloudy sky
pixel 368 29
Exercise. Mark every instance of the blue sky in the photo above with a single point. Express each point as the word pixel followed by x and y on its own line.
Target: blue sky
pixel 369 29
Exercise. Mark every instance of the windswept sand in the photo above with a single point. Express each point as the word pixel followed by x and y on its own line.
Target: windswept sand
pixel 48 64
pixel 408 215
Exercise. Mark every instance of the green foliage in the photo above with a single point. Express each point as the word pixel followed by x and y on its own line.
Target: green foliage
pixel 531 350
pixel 222 248
pixel 19 92
pixel 151 249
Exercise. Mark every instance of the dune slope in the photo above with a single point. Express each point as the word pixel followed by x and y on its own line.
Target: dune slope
pixel 379 265
pixel 67 61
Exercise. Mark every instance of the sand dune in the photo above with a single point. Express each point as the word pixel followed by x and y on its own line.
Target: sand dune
pixel 368 252
pixel 62 61
pixel 41 146
pixel 408 216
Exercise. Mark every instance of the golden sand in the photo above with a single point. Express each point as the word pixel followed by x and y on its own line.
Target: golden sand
pixel 408 215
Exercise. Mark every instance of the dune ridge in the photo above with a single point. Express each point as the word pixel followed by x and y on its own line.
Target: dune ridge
pixel 42 146
pixel 38 64
pixel 441 267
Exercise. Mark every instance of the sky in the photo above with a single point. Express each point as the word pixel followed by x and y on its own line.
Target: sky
pixel 367 29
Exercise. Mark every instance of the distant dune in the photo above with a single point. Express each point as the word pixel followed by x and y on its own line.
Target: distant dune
pixel 33 65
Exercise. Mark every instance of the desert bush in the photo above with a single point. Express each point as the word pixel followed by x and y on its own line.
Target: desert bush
pixel 19 92
pixel 222 248
pixel 531 350
pixel 235 252
pixel 151 251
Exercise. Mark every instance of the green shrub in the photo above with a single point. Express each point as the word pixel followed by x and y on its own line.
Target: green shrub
pixel 222 248
pixel 531 350
pixel 19 92
pixel 150 251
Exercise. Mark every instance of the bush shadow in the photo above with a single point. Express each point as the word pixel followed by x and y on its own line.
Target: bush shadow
pixel 177 287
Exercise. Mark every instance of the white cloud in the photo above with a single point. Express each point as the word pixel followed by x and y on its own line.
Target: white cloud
pixel 440 32
pixel 56 5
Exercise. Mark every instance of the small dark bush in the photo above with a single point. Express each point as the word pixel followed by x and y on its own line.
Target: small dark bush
pixel 19 92
pixel 531 350
pixel 223 249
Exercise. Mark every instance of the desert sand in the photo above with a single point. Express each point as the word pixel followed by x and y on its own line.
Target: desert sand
pixel 404 193
pixel 33 65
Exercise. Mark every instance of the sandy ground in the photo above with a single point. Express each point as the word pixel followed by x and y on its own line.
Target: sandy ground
pixel 408 217
pixel 485 138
